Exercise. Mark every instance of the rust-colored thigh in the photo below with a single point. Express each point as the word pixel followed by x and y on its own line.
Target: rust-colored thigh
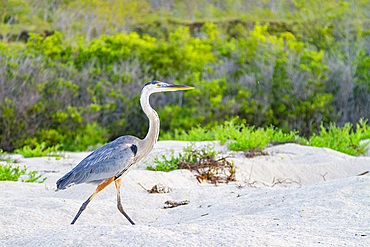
pixel 104 184
pixel 118 184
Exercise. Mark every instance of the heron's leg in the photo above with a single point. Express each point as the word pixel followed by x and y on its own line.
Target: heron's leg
pixel 98 189
pixel 119 205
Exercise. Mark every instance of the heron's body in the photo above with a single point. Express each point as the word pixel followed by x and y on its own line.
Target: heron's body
pixel 109 162
pixel 94 168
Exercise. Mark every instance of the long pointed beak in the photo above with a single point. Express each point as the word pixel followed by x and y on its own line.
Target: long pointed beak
pixel 178 87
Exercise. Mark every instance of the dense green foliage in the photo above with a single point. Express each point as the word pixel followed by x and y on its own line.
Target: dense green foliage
pixel 305 65
pixel 245 138
pixel 39 151
pixel 93 18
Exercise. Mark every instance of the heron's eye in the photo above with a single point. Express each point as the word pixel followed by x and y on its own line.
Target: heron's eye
pixel 158 85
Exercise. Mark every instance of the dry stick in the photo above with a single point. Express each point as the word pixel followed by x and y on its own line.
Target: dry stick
pixel 284 181
pixel 143 187
pixel 323 176
pixel 215 168
pixel 364 173
pixel 157 189
pixel 172 204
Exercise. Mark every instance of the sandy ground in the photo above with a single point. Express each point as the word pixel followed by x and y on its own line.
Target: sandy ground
pixel 295 196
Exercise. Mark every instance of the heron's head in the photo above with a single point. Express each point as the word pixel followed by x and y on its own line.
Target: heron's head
pixel 158 86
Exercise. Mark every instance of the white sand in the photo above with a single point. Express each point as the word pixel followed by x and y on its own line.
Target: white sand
pixel 320 202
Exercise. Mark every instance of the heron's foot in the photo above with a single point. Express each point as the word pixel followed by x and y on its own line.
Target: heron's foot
pixel 120 208
pixel 82 208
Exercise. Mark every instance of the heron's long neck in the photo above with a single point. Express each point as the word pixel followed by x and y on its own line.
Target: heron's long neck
pixel 153 132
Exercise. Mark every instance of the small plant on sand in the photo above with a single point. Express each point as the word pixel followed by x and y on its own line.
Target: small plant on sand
pixel 166 165
pixel 203 162
pixel 9 172
pixel 39 151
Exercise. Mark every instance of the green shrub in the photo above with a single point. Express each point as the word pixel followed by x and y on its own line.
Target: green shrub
pixel 166 165
pixel 343 139
pixel 9 172
pixel 242 137
pixel 92 134
pixel 39 151
pixel 245 138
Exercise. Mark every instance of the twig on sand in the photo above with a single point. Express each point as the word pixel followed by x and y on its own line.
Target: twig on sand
pixel 172 204
pixel 208 168
pixel 158 188
pixel 254 183
pixel 284 181
pixel 364 173
pixel 323 176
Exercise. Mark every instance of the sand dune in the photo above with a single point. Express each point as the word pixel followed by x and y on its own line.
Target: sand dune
pixel 295 196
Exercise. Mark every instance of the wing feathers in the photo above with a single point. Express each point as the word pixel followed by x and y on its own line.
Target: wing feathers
pixel 104 163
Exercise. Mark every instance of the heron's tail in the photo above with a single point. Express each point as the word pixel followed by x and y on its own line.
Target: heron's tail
pixel 64 181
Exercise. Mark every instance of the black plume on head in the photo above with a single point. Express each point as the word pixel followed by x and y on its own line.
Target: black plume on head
pixel 151 82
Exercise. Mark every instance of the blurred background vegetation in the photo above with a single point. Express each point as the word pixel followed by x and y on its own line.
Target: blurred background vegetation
pixel 71 71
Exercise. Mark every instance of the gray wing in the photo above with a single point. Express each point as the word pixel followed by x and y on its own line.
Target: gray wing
pixel 108 161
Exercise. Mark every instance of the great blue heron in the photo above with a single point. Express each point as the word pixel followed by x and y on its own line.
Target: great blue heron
pixel 111 161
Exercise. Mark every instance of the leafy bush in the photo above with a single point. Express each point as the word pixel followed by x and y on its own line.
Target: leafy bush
pixel 245 138
pixel 242 137
pixel 164 164
pixel 9 172
pixel 344 139
pixel 39 151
